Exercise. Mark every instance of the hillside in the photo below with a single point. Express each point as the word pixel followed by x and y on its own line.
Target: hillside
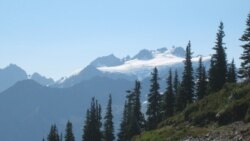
pixel 222 115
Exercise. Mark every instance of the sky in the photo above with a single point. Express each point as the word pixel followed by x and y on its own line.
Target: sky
pixel 56 37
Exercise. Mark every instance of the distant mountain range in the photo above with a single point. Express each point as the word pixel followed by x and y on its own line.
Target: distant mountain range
pixel 31 103
pixel 13 73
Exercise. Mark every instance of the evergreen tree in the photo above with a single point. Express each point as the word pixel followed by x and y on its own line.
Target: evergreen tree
pixel 153 109
pixel 69 136
pixel 180 99
pixel 123 132
pixel 244 71
pixel 188 79
pixel 108 124
pixel 201 85
pixel 176 82
pixel 168 98
pixel 218 68
pixel 232 76
pixel 43 139
pixel 91 130
pixel 53 135
pixel 86 128
pixel 137 114
pixel 133 119
pixel 61 137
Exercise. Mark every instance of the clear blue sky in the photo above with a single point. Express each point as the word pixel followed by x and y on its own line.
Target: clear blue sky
pixel 55 37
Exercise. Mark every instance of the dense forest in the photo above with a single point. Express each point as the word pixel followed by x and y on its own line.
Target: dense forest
pixel 182 101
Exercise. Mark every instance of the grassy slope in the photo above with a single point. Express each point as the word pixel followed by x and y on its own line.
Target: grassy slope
pixel 212 113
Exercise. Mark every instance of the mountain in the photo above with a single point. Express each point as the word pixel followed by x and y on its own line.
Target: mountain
pixel 131 68
pixel 13 73
pixel 30 108
pixel 34 102
pixel 42 79
pixel 10 75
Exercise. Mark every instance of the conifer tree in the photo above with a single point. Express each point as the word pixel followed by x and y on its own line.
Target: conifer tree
pixel 108 133
pixel 86 128
pixel 91 130
pixel 69 135
pixel 232 76
pixel 123 132
pixel 133 120
pixel 61 137
pixel 218 68
pixel 53 135
pixel 201 85
pixel 244 71
pixel 187 78
pixel 137 114
pixel 176 83
pixel 168 98
pixel 180 99
pixel 153 109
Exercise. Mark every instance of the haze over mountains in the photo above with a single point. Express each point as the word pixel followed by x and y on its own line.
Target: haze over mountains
pixel 35 102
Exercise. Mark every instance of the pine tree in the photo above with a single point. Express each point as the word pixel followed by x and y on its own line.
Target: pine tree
pixel 168 101
pixel 218 68
pixel 153 109
pixel 188 79
pixel 86 128
pixel 43 139
pixel 244 71
pixel 176 82
pixel 53 135
pixel 232 76
pixel 137 114
pixel 201 85
pixel 69 136
pixel 108 124
pixel 180 99
pixel 61 137
pixel 91 130
pixel 133 120
pixel 123 132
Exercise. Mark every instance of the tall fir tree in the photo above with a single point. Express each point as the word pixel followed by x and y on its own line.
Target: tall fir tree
pixel 232 76
pixel 138 115
pixel 92 127
pixel 176 83
pixel 61 137
pixel 137 121
pixel 69 135
pixel 201 78
pixel 168 98
pixel 108 133
pixel 187 93
pixel 244 70
pixel 53 135
pixel 218 68
pixel 153 109
pixel 133 120
pixel 123 133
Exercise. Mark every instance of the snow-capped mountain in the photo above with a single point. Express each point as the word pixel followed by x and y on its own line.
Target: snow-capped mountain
pixel 136 67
